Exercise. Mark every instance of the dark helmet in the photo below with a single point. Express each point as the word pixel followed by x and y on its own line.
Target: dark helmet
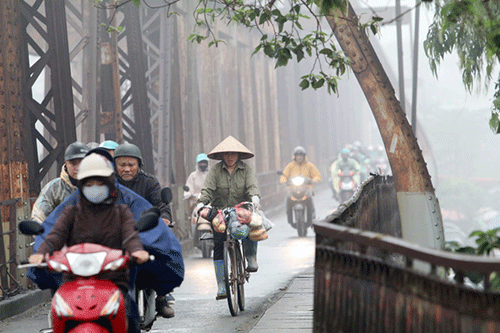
pixel 75 150
pixel 128 149
pixel 299 150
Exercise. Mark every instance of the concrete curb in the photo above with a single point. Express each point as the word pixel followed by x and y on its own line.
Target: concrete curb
pixel 23 302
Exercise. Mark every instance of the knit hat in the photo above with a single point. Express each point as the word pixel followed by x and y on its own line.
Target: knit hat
pixel 230 145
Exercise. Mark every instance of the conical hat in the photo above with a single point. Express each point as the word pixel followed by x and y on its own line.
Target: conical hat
pixel 230 145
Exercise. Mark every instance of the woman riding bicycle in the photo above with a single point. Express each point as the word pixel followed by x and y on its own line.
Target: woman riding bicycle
pixel 228 183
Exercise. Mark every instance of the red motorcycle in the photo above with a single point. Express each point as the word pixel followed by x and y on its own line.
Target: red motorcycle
pixel 88 303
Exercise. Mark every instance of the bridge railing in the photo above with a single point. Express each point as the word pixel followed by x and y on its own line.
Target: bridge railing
pixel 369 281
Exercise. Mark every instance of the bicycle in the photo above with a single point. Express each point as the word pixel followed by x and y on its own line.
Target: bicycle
pixel 235 273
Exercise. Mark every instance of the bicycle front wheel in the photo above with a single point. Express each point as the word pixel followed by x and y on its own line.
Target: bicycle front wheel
pixel 231 277
pixel 241 277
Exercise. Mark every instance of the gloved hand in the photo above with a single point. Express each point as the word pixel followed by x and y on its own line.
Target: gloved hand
pixel 256 202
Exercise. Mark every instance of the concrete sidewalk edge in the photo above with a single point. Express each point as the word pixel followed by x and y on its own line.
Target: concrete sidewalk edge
pixel 20 303
pixel 273 299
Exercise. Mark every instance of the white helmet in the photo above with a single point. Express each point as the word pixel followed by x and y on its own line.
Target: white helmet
pixel 95 165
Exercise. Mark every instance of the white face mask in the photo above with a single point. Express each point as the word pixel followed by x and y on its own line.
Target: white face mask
pixel 96 193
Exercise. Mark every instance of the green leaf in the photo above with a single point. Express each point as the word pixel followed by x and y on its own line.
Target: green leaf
pixel 257 49
pixel 263 18
pixel 326 52
pixel 300 54
pixel 318 84
pixel 269 50
pixel 137 3
pixel 304 84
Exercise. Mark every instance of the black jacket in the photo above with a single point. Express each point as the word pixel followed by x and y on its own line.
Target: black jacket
pixel 148 187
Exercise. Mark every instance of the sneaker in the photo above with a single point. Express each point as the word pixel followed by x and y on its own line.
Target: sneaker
pixel 163 307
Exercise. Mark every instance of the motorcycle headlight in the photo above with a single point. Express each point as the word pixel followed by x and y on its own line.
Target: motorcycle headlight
pixel 297 181
pixel 114 265
pixel 86 264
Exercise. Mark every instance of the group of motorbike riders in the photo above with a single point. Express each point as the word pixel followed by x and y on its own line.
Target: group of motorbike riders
pixel 101 191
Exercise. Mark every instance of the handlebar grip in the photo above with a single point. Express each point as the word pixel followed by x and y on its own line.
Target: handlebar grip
pixel 24 262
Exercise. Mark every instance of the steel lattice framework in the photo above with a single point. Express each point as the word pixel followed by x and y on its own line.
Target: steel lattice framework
pixel 45 51
pixel 73 74
pixel 156 32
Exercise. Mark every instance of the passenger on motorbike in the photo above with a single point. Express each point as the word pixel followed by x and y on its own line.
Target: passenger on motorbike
pixel 228 183
pixel 60 188
pixel 97 218
pixel 344 164
pixel 195 179
pixel 301 166
pixel 128 162
pixel 110 146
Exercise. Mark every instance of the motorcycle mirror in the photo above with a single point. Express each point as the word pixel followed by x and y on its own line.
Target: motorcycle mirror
pixel 148 220
pixel 30 227
pixel 185 188
pixel 166 195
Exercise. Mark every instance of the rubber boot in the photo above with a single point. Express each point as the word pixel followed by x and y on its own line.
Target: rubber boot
pixel 250 253
pixel 221 283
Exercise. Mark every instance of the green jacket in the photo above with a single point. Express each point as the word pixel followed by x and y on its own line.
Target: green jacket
pixel 222 190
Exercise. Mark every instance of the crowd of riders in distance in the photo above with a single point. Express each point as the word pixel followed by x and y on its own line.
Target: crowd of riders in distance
pixel 353 165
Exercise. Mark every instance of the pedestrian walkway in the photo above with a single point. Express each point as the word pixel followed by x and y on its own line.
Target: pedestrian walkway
pixel 293 312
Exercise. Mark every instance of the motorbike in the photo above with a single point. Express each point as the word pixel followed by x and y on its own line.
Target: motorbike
pixel 298 214
pixel 345 184
pixel 87 303
pixel 146 298
pixel 201 230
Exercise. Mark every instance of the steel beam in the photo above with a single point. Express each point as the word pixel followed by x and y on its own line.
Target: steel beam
pixel 13 163
pixel 420 213
pixel 157 37
pixel 135 102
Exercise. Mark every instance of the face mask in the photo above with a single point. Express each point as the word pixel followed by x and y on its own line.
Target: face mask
pixel 96 193
pixel 203 167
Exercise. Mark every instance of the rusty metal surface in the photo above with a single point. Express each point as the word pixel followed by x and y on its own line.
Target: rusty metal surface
pixel 9 284
pixel 369 281
pixel 356 293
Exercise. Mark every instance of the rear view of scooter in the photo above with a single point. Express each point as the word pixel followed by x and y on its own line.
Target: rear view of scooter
pixel 202 232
